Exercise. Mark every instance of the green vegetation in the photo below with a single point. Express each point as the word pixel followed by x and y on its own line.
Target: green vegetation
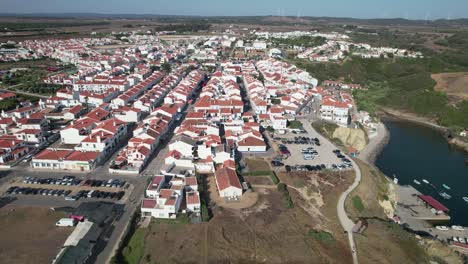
pixel 166 67
pixel 204 212
pixel 295 124
pixel 304 41
pixel 8 104
pixel 357 202
pixel 326 129
pixel 321 236
pixel 287 201
pixel 274 178
pixel 7 27
pixel 183 28
pixel 388 38
pixel 275 101
pixel 133 252
pixel 397 83
pixel 30 81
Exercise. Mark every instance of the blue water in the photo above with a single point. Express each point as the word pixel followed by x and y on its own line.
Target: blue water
pixel 418 152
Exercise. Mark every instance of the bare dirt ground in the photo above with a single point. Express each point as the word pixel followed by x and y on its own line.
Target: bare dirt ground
pixel 455 84
pixel 265 233
pixel 258 180
pixel 29 234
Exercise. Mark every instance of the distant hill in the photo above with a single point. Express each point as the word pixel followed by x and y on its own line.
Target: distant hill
pixel 248 19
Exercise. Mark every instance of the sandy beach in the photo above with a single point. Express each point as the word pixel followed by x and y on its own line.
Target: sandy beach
pixel 376 144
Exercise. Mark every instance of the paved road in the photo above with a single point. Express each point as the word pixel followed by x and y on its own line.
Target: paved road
pixel 23 93
pixel 345 221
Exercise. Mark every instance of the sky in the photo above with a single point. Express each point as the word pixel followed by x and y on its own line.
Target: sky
pixel 411 9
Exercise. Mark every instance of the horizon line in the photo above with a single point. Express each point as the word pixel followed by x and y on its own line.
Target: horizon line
pixel 51 14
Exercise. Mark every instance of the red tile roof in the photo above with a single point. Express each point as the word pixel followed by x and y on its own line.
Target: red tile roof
pixel 193 198
pixel 251 141
pixel 49 154
pixel 149 203
pixel 226 178
pixel 83 156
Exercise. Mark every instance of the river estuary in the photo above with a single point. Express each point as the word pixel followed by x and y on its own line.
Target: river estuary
pixel 418 152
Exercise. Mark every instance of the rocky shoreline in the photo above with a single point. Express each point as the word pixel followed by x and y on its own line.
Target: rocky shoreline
pixel 376 145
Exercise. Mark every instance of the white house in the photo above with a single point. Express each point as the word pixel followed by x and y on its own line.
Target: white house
pixel 228 183
pixel 183 145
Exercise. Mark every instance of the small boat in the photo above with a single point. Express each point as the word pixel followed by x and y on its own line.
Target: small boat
pixel 445 195
pixel 425 181
pixel 417 182
pixel 442 228
pixel 458 228
pixel 465 199
pixel 446 187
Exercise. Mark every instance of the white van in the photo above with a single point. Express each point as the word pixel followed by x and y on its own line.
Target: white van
pixel 66 222
pixel 90 194
pixel 308 157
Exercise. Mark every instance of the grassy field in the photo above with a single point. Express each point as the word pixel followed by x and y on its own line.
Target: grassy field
pixel 29 234
pixel 133 252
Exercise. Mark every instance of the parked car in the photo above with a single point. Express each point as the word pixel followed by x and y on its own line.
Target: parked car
pixel 70 198
pixel 276 163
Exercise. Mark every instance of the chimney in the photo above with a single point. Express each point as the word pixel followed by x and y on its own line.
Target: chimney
pixel 98 139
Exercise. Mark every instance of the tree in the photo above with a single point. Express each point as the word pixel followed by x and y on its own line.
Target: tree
pixel 261 78
pixel 166 67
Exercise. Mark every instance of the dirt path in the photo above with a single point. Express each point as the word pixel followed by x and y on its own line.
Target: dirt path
pixel 205 242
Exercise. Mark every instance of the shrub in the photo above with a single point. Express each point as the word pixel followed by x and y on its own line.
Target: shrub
pixel 321 236
pixel 274 178
pixel 205 213
pixel 357 202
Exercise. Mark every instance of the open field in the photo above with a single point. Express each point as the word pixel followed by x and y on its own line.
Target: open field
pixel 258 164
pixel 265 233
pixel 455 84
pixel 29 234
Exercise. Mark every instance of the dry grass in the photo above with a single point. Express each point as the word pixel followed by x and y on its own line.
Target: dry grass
pixel 373 187
pixel 455 84
pixel 265 233
pixel 257 165
pixel 29 234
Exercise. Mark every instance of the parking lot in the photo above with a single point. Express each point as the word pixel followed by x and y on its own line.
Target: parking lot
pixel 309 151
pixel 68 187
